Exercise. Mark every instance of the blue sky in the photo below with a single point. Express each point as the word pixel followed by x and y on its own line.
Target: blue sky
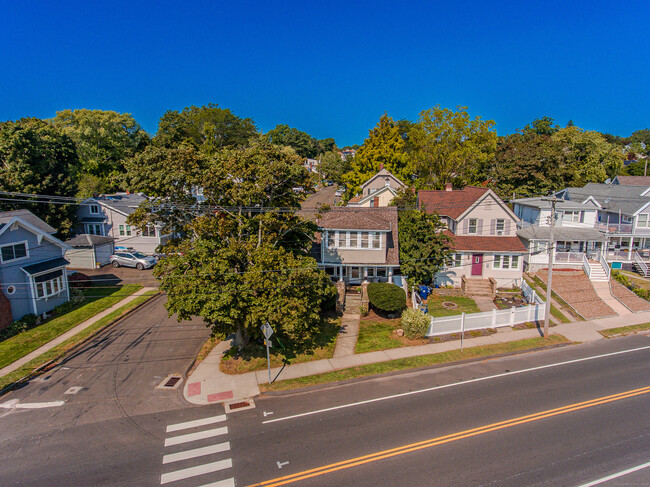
pixel 331 68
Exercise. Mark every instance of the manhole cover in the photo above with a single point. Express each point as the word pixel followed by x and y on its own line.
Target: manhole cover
pixel 449 305
pixel 239 405
pixel 170 382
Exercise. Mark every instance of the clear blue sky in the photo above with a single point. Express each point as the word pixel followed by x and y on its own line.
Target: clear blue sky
pixel 331 68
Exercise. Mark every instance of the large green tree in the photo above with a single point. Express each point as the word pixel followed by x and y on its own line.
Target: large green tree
pixel 37 158
pixel 333 167
pixel 104 140
pixel 304 144
pixel 423 247
pixel 383 147
pixel 450 147
pixel 208 128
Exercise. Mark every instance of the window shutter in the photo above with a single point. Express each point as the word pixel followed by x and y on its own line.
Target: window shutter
pixel 493 227
pixel 506 230
pixel 479 227
pixel 465 226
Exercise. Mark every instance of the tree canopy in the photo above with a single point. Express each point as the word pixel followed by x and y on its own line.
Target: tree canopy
pixel 37 158
pixel 304 144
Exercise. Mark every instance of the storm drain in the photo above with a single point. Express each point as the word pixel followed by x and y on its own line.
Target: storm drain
pixel 239 405
pixel 170 382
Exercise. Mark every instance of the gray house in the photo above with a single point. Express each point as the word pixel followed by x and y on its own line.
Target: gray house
pixel 106 215
pixel 32 268
pixel 89 251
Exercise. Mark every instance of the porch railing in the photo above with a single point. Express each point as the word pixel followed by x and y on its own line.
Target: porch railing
pixel 603 262
pixel 642 265
pixel 586 266
pixel 613 227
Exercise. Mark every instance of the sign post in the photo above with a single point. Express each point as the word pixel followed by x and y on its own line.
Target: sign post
pixel 267 331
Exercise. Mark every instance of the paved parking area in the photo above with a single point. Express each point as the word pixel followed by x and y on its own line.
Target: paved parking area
pixel 120 275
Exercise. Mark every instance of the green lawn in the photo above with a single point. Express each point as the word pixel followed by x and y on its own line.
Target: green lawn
pixel 253 356
pixel 465 305
pixel 377 335
pixel 413 362
pixel 625 330
pixel 61 349
pixel 102 298
pixel 538 285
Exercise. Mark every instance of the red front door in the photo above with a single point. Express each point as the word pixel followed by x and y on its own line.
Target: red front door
pixel 477 264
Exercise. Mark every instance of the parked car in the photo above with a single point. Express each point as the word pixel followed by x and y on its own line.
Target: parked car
pixel 132 259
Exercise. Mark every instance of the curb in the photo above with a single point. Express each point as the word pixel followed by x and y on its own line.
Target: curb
pixel 46 366
pixel 329 385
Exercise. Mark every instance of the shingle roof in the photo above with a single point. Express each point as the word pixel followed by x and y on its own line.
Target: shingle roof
pixel 366 219
pixel 613 197
pixel 450 203
pixel 29 217
pixel 474 243
pixel 562 234
pixel 634 180
pixel 122 202
pixel 383 172
pixel 86 240
pixel 561 204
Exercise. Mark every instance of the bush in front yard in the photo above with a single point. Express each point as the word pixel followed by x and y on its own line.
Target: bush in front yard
pixel 386 297
pixel 415 323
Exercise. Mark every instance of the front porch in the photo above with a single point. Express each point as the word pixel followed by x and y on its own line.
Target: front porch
pixel 356 274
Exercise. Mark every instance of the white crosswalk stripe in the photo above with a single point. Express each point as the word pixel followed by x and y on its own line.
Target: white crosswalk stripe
pixel 186 457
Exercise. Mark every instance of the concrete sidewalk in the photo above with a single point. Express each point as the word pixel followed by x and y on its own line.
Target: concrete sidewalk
pixel 207 384
pixel 72 332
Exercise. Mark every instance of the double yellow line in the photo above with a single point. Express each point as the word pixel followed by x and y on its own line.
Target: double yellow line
pixel 353 462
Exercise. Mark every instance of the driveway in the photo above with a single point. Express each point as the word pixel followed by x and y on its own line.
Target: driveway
pixel 310 206
pixel 109 275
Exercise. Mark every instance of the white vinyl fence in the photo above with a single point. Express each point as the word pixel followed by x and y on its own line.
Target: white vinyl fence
pixel 491 319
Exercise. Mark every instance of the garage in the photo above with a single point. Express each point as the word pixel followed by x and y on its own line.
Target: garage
pixel 89 251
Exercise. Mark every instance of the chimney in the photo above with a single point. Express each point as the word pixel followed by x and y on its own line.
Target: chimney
pixel 381 166
pixel 448 187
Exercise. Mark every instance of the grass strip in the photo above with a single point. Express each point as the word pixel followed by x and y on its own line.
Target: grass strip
pixel 64 347
pixel 414 362
pixel 539 284
pixel 24 343
pixel 624 330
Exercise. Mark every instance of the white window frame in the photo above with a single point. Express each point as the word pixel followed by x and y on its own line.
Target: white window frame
pixel 125 230
pixel 94 209
pixel 47 289
pixel 146 231
pixel 375 240
pixel 94 225
pixel 642 223
pixel 506 262
pixel 455 260
pixel 469 226
pixel 13 244
pixel 365 237
pixel 502 230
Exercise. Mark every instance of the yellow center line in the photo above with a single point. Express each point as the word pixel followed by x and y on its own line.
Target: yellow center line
pixel 373 457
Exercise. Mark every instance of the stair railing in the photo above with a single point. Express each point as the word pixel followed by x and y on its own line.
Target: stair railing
pixel 642 265
pixel 586 266
pixel 603 262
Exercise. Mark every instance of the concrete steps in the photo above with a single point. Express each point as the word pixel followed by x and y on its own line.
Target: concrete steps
pixel 478 287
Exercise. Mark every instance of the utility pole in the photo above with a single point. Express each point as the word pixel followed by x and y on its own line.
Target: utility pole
pixel 551 247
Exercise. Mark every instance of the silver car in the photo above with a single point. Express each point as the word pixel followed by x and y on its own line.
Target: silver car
pixel 132 259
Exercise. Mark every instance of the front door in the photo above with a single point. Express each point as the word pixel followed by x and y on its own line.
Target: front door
pixel 355 275
pixel 477 264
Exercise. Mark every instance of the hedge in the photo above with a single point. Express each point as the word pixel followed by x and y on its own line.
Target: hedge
pixel 386 297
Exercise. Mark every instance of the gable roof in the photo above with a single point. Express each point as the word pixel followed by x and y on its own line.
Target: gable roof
pixel 359 200
pixel 540 203
pixel 450 203
pixel 125 203
pixel 17 220
pixel 86 240
pixel 632 180
pixel 27 216
pixel 628 199
pixel 383 172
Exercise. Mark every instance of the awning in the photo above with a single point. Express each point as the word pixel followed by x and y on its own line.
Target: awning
pixel 93 219
pixel 45 266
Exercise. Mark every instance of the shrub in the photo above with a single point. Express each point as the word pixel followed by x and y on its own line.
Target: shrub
pixel 25 323
pixel 79 279
pixel 386 297
pixel 415 323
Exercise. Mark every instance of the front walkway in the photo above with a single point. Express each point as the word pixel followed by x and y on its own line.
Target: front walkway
pixel 208 385
pixel 349 331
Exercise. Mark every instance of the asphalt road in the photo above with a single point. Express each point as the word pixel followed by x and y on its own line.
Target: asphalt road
pixel 570 447
pixel 112 430
pixel 325 196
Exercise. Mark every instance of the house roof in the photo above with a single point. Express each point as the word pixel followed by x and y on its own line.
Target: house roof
pixel 383 172
pixel 125 203
pixel 561 234
pixel 560 205
pixel 613 197
pixel 86 240
pixel 450 203
pixel 355 218
pixel 27 216
pixel 360 200
pixel 473 243
pixel 45 266
pixel 633 180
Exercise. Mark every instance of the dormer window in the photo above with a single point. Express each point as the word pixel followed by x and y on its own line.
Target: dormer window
pixel 387 182
pixel 94 209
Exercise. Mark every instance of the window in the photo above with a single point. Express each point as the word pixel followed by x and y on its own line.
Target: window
pixel 370 272
pixel 94 209
pixel 149 231
pixel 454 260
pixel 506 261
pixel 381 272
pixel 387 182
pixel 354 240
pixel 125 230
pixel 14 252
pixel 501 226
pixel 330 240
pixel 94 228
pixel 11 290
pixel 571 216
pixel 642 221
pixel 342 239
pixel 376 240
pixel 49 284
pixel 364 240
pixel 472 225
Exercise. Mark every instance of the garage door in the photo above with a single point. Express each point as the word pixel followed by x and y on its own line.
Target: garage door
pixel 80 258
pixel 103 253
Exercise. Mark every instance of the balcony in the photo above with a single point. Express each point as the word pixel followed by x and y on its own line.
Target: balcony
pixel 614 227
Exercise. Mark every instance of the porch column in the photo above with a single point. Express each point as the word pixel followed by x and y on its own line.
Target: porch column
pixel 630 250
pixel 390 275
pixel 340 273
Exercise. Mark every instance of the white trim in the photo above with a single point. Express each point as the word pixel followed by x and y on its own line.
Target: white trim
pixel 26 242
pixel 371 196
pixel 641 209
pixel 478 201
pixel 592 200
pixel 35 230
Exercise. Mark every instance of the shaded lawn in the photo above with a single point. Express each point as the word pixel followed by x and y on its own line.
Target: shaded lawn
pixel 61 349
pixel 253 356
pixel 413 362
pixel 101 299
pixel 624 330
pixel 465 305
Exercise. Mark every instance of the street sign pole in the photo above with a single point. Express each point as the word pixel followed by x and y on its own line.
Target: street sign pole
pixel 267 331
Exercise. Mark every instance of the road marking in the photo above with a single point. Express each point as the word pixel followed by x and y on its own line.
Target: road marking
pixel 195 471
pixel 221 483
pixel 373 457
pixel 267 413
pixel 198 452
pixel 616 475
pixel 282 464
pixel 454 384
pixel 73 390
pixel 195 423
pixel 14 404
pixel 177 440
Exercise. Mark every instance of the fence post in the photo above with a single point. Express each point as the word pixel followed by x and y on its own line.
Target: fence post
pixel 533 297
pixel 530 312
pixel 512 316
pixel 494 318
pixel 462 330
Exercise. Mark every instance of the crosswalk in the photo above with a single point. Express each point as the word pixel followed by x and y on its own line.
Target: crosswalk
pixel 194 450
